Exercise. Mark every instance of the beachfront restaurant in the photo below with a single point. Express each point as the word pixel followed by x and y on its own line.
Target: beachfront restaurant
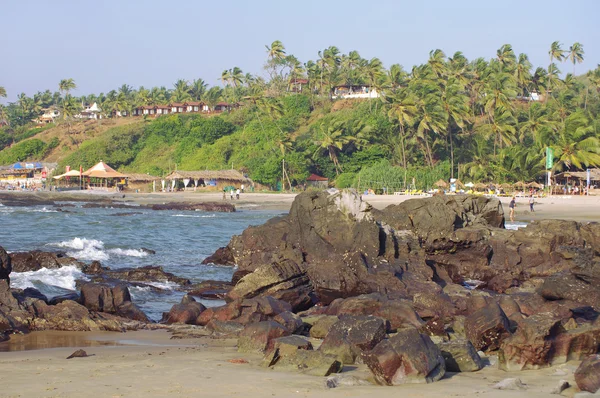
pixel 213 179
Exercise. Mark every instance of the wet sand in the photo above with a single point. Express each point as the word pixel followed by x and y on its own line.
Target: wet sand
pixel 154 366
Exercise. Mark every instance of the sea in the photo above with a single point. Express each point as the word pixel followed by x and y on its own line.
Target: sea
pixel 180 240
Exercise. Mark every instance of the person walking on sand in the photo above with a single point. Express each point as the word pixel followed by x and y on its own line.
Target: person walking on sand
pixel 511 206
pixel 531 201
pixel 237 194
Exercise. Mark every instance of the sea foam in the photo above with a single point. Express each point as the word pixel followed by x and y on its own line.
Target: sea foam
pixel 63 278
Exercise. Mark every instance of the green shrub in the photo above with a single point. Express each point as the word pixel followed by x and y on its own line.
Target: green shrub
pixel 345 180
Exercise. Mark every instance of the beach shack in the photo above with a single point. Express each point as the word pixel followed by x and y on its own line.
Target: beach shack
pixel 316 181
pixel 139 182
pixel 103 176
pixel 215 179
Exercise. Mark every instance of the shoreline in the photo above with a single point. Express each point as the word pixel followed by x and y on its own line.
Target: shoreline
pixel 150 364
pixel 575 208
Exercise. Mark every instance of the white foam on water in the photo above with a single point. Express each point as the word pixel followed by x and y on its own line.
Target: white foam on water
pixel 85 249
pixel 128 252
pixel 63 277
pixel 472 284
pixel 186 215
pixel 514 225
pixel 164 285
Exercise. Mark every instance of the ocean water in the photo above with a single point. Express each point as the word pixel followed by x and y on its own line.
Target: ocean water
pixel 181 240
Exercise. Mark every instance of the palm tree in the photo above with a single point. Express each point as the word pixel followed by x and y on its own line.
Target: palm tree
pixel 197 89
pixel 332 137
pixel 236 76
pixel 501 128
pixel 66 85
pixel 403 109
pixel 506 57
pixel 523 73
pixel 181 91
pixel 432 120
pixel 437 62
pixel 226 77
pixel 538 124
pixel 2 92
pixel 576 144
pixel 276 51
pixel 575 54
pixel 556 53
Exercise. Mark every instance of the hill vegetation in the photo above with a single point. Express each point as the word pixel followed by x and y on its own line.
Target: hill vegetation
pixel 482 120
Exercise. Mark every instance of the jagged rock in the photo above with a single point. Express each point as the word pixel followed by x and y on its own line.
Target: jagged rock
pixel 211 290
pixel 568 286
pixel 322 325
pixel 587 375
pixel 258 337
pixel 94 268
pixel 205 206
pixel 112 300
pixel 487 328
pixel 68 316
pixel 5 264
pixel 407 357
pixel 36 260
pixel 222 256
pixel 460 356
pixel 352 335
pixel 510 384
pixel 225 328
pixel 290 321
pixel 59 299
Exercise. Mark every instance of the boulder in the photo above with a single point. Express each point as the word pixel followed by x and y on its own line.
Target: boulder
pixel 223 256
pixel 68 316
pixel 302 360
pixel 407 357
pixel 210 290
pixel 567 286
pixel 145 274
pixel 258 337
pixel 5 264
pixel 487 328
pixel 112 300
pixel 587 375
pixel 185 312
pixel 460 356
pixel 36 260
pixel 322 325
pixel 351 335
pixel 290 321
pixel 225 328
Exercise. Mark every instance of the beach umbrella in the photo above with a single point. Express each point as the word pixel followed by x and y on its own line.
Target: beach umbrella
pixel 441 184
pixel 520 184
pixel 459 184
pixel 534 185
pixel 480 185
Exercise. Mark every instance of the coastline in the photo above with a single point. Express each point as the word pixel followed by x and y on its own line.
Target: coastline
pixel 575 208
pixel 149 364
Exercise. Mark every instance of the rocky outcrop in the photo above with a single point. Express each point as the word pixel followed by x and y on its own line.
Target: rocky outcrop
pixel 210 290
pixel 222 256
pixel 113 300
pixel 185 312
pixel 352 335
pixel 145 274
pixel 5 264
pixel 36 260
pixel 260 336
pixel 205 206
pixel 407 357
pixel 587 375
pixel 487 327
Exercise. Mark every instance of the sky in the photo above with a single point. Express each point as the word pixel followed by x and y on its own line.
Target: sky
pixel 104 44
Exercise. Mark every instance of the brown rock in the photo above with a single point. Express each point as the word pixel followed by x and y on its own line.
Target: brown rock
pixel 587 375
pixel 460 356
pixel 259 336
pixel 487 328
pixel 5 264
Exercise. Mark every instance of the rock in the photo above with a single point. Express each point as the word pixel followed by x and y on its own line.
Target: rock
pixel 36 260
pixel 78 354
pixel 587 375
pixel 184 313
pixel 112 300
pixel 148 273
pixel 290 344
pixel 59 299
pixel 94 268
pixel 205 206
pixel 225 328
pixel 344 380
pixel 351 335
pixel 223 256
pixel 290 321
pixel 487 328
pixel 460 356
pixel 322 325
pixel 510 384
pixel 29 292
pixel 407 357
pixel 69 316
pixel 562 385
pixel 310 362
pixel 5 264
pixel 210 290
pixel 258 337
pixel 567 286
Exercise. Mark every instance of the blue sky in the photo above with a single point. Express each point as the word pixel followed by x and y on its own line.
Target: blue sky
pixel 103 44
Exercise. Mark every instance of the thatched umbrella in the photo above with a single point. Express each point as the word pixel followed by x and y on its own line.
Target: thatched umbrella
pixel 520 184
pixel 459 184
pixel 441 184
pixel 534 185
pixel 480 185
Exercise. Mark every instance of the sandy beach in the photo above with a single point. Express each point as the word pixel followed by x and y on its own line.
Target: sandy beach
pixel 149 364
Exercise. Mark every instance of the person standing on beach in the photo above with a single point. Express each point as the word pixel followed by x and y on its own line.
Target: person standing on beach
pixel 511 206
pixel 231 194
pixel 531 201
pixel 242 188
pixel 237 194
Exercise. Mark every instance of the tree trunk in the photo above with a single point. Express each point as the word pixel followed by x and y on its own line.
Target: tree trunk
pixel 403 148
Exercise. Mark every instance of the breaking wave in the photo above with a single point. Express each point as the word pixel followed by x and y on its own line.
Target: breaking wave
pixel 63 278
pixel 94 250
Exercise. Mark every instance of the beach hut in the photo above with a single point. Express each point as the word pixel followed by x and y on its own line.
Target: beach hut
pixel 140 182
pixel 104 176
pixel 480 186
pixel 215 179
pixel 534 185
pixel 317 181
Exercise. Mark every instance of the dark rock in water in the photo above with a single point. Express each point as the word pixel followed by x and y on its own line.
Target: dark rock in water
pixel 126 214
pixel 36 260
pixel 59 299
pixel 112 300
pixel 460 356
pixel 211 290
pixel 487 328
pixel 30 292
pixel 222 256
pixel 207 206
pixel 148 251
pixel 407 357
pixel 144 274
pixel 94 268
pixel 587 375
pixel 78 354
pixel 5 264
pixel 353 335
pixel 258 337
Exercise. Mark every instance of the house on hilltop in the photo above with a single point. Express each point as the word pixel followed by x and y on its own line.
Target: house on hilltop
pixel 356 91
